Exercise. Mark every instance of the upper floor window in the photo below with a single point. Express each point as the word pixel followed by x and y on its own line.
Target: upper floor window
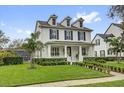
pixel 54 34
pixel 97 42
pixel 80 23
pixel 81 36
pixel 68 35
pixel 53 21
pixel 68 22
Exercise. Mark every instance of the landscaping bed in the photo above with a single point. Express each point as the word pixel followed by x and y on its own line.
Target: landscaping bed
pixel 19 75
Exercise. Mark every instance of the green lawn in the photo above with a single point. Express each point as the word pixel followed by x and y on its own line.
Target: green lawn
pixel 118 83
pixel 15 75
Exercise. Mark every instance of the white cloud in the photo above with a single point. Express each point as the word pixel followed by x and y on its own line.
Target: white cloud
pixel 97 19
pixel 2 23
pixel 27 32
pixel 89 18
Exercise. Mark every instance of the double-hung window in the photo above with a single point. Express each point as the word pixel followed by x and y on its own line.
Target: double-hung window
pixel 68 35
pixel 81 36
pixel 84 51
pixel 97 42
pixel 54 34
pixel 54 51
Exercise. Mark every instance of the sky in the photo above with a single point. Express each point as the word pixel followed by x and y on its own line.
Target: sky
pixel 19 21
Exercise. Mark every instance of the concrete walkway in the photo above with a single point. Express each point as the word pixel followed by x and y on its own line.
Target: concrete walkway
pixel 116 76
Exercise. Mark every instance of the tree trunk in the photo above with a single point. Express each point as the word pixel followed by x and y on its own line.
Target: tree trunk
pixel 32 62
pixel 117 57
pixel 120 57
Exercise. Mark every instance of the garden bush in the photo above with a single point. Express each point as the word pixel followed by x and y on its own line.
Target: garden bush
pixel 101 58
pixel 53 63
pixel 50 61
pixel 12 60
pixel 101 61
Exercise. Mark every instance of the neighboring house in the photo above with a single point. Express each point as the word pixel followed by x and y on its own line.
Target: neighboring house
pixel 64 39
pixel 101 48
pixel 23 53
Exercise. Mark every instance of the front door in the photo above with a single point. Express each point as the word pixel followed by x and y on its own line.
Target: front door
pixel 72 54
pixel 69 53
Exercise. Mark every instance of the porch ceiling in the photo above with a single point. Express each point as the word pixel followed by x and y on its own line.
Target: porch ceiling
pixel 70 43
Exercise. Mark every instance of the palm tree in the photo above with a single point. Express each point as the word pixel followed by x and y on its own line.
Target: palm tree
pixel 3 39
pixel 32 45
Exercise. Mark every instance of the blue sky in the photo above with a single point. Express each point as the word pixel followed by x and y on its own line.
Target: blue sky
pixel 19 21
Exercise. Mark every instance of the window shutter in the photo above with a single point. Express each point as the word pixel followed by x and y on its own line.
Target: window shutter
pixel 50 35
pixel 57 34
pixel 78 35
pixel 84 36
pixel 65 34
pixel 71 35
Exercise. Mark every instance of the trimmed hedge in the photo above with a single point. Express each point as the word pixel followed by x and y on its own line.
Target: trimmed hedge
pixel 50 61
pixel 93 66
pixel 53 63
pixel 12 60
pixel 101 58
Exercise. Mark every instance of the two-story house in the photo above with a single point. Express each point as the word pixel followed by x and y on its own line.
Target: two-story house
pixel 64 39
pixel 101 47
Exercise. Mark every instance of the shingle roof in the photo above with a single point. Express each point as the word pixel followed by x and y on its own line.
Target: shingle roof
pixel 118 25
pixel 45 24
pixel 104 36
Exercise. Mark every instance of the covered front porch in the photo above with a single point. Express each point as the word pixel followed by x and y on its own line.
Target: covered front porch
pixel 73 52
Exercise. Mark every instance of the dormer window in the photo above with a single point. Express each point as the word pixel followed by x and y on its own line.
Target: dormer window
pixel 53 21
pixel 68 22
pixel 80 23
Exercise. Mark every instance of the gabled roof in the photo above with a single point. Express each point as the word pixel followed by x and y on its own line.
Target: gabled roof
pixel 115 24
pixel 45 24
pixel 104 36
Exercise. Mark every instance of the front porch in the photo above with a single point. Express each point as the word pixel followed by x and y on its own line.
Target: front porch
pixel 72 53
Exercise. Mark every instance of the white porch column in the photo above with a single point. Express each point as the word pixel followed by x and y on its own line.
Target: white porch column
pixel 49 51
pixel 65 51
pixel 80 53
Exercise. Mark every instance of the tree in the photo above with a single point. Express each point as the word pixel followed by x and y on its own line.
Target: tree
pixel 17 43
pixel 116 46
pixel 116 11
pixel 3 39
pixel 32 44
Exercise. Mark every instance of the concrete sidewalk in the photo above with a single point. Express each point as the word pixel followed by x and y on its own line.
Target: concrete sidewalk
pixel 116 76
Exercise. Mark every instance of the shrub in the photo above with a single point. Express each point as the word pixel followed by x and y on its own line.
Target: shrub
pixel 101 61
pixel 39 60
pixel 12 60
pixel 50 61
pixel 101 58
pixel 53 63
pixel 8 53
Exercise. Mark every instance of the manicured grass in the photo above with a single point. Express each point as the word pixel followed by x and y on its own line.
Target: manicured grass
pixel 118 83
pixel 15 75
